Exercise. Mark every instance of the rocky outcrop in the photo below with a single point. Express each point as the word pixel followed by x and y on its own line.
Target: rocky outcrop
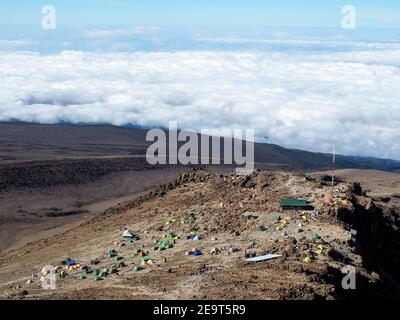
pixel 378 237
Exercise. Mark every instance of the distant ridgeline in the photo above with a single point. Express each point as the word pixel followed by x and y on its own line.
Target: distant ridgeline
pixel 306 160
pixel 368 163
pixel 28 141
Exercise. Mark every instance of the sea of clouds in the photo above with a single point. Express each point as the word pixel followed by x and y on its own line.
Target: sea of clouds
pixel 303 99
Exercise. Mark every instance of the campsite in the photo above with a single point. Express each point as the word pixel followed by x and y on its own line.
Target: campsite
pixel 209 235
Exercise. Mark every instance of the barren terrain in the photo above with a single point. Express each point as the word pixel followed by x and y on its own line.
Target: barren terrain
pixel 54 176
pixel 233 217
pixel 70 191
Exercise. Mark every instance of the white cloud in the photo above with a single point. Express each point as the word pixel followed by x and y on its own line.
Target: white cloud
pixel 140 30
pixel 302 100
pixel 339 42
pixel 14 44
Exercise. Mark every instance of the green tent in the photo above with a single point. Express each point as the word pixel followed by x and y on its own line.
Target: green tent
pixel 165 244
pixel 144 259
pixel 170 235
pixel 113 270
pixel 112 253
pixel 276 216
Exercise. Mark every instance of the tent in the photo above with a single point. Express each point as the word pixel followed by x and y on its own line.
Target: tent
pixel 129 234
pixel 171 235
pixel 145 259
pixel 70 263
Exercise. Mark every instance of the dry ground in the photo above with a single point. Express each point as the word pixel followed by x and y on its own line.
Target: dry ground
pixel 211 206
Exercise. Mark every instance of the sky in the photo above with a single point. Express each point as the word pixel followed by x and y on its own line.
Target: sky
pixel 290 71
pixel 92 25
pixel 294 13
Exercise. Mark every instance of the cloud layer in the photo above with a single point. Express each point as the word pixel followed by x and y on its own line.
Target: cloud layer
pixel 304 100
pixel 140 30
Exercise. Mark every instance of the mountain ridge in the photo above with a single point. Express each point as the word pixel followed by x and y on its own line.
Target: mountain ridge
pixel 56 141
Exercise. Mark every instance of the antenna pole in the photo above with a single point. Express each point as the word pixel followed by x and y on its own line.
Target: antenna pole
pixel 333 165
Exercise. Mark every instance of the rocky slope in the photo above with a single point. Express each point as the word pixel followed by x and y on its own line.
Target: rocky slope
pixel 234 218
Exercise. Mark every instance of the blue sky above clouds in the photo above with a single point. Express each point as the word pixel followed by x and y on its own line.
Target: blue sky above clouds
pixel 311 13
pixel 285 68
pixel 179 24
